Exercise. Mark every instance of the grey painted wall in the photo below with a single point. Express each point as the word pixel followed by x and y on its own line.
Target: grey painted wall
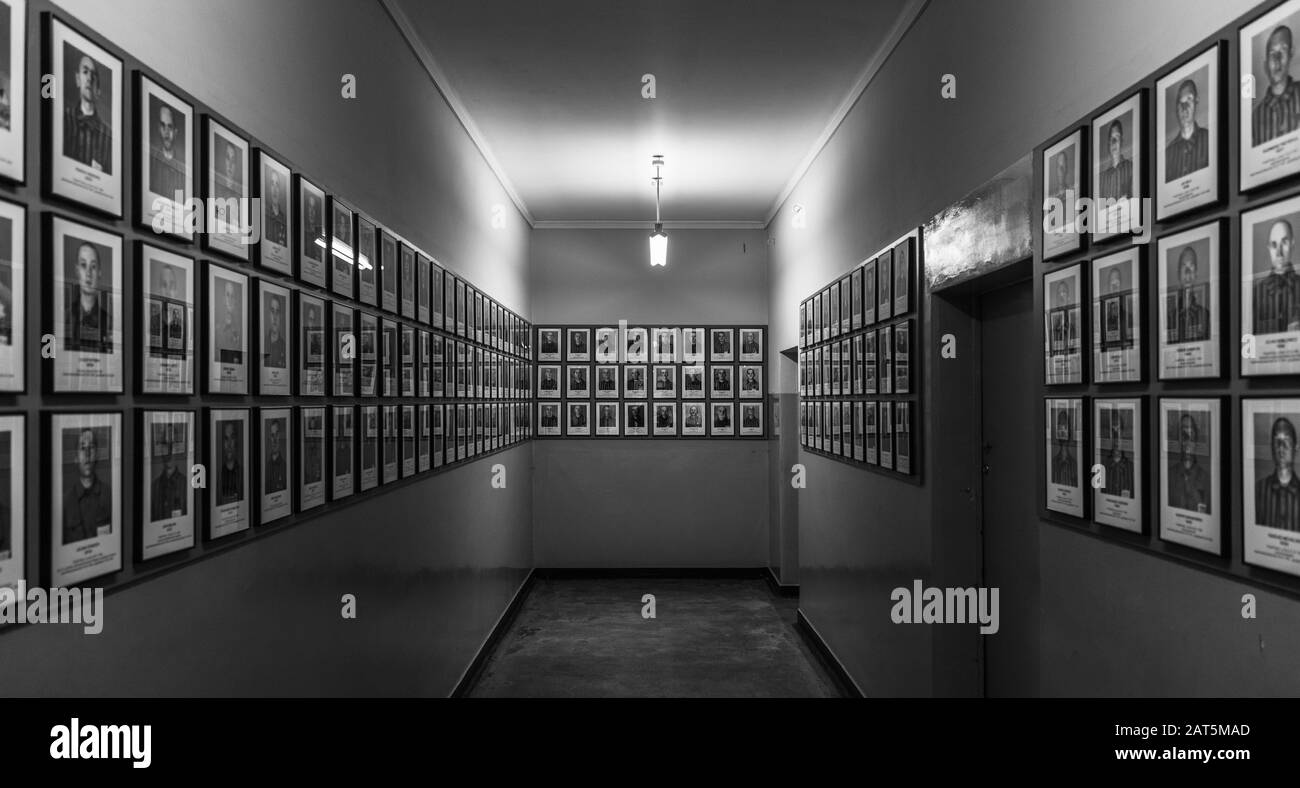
pixel 886 171
pixel 434 561
pixel 647 502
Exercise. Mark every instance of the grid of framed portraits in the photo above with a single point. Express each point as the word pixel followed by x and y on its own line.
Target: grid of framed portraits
pixel 228 343
pixel 858 363
pixel 1170 296
pixel 684 381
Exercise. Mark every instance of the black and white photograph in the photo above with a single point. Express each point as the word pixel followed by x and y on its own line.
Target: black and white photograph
pixel 1117 317
pixel 1191 506
pixel 458 299
pixel 165 153
pixel 751 381
pixel 859 428
pixel 548 344
pixel 13 500
pixel 275 448
pixel 664 342
pixel 13 294
pixel 548 418
pixel 313 243
pixel 342 451
pixel 606 381
pixel 693 418
pixel 751 418
pixel 230 486
pixel 1062 326
pixel 167 498
pixel 577 381
pixel 227 218
pixel 406 361
pixel 885 285
pixel 1270 97
pixel 271 188
pixel 437 296
pixel 885 432
pixel 665 386
pixel 722 419
pixel 871 434
pixel 422 288
pixel 665 418
pixel 367 352
pixel 84 142
pixel 391 439
pixel 442 422
pixel 367 259
pixel 167 314
pixel 311 457
pixel 693 345
pixel 577 417
pixel 1189 322
pixel 1062 168
pixel 903 437
pixel 751 344
pixel 904 274
pixel 637 343
pixel 1270 290
pixel 607 418
pixel 885 353
pixel 369 465
pixel 344 350
pixel 693 381
pixel 424 448
pixel 1118 136
pixel 607 345
pixel 85 478
pixel 388 355
pixel 406 270
pixel 407 451
pixel 634 382
pixel 343 256
pixel 1270 489
pixel 868 292
pixel 833 302
pixel 1064 456
pixel 720 345
pixel 388 273
pixel 721 381
pixel 548 381
pixel 1189 172
pixel 1117 496
pixel 86 266
pixel 274 348
pixel 311 345
pixel 635 419
pixel 578 345
pixel 13 100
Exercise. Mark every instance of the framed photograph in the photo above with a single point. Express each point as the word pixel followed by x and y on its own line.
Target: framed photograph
pixel 607 381
pixel 344 349
pixel 751 418
pixel 859 429
pixel 846 309
pixel 634 383
pixel 407 453
pixel 474 302
pixel 869 292
pixel 833 301
pixel 274 361
pixel 86 280
pixel 271 188
pixel 721 382
pixel 607 418
pixel 369 447
pixel 462 432
pixel 430 417
pixel 548 381
pixel 548 418
pixel 230 485
pixel 13 300
pixel 1062 169
pixel 665 382
pixel 1190 503
pixel 1188 331
pixel 369 354
pixel 722 419
pixel 367 262
pixel 693 345
pixel 461 319
pixel 1270 290
pixel 85 515
pixel 391 444
pixel 422 288
pixel 638 346
pixel 858 362
pixel 226 185
pixel 665 345
pixel 578 345
pixel 634 419
pixel 167 520
pixel 437 375
pixel 460 366
pixel 85 122
pixel 578 415
pixel 406 269
pixel 406 360
pixel 665 418
pixel 167 313
pixel 751 381
pixel 693 416
pixel 342 247
pixel 311 451
pixel 903 437
pixel 1117 449
pixel 276 444
pixel 13 112
pixel 1270 117
pixel 1188 122
pixel 751 344
pixel 904 275
pixel 436 296
pixel 886 342
pixel 885 286
pixel 389 272
pixel 1064 455
pixel 165 152
pixel 578 381
pixel 720 345
pixel 309 207
pixel 805 324
pixel 819 330
pixel 548 344
pixel 871 434
pixel 1270 490
pixel 869 363
pixel 311 347
pixel 13 508
pixel 1118 142
pixel 902 357
pixel 606 345
pixel 693 381
pixel 855 303
pixel 885 428
pixel 342 451
pixel 1062 326
pixel 1117 317
pixel 388 357
pixel 834 353
pixel 835 443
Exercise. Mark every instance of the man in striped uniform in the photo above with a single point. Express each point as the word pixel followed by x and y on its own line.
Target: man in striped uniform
pixel 1117 180
pixel 1065 468
pixel 1189 150
pixel 1189 483
pixel 1277 496
pixel 87 138
pixel 1278 110
pixel 1119 466
pixel 1277 295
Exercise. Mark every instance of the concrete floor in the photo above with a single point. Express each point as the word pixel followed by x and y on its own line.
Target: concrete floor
pixel 711 638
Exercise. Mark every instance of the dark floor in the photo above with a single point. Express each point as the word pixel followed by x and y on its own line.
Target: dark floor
pixel 711 638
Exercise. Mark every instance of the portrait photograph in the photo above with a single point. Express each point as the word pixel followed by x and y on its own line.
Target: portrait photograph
pixel 167 315
pixel 693 345
pixel 1187 267
pixel 751 381
pixel 1270 289
pixel 870 433
pixel 165 152
pixel 1270 490
pixel 548 381
pixel 369 466
pixel 1117 448
pixel 271 188
pixel 805 323
pixel 1270 97
pixel 869 292
pixel 389 272
pixel 904 273
pixel 634 419
pixel 834 354
pixel 886 354
pixel 13 112
pixel 368 353
pixel 275 444
pixel 693 381
pixel 859 453
pixel 1062 168
pixel 367 259
pixel 229 479
pixel 903 437
pixel 227 219
pixel 607 418
pixel 548 418
pixel 578 381
pixel 577 418
pixel 85 515
pixel 836 444
pixel 407 361
pixel 458 300
pixel 459 371
pixel 548 344
pixel 607 345
pixel 86 274
pixel 462 433
pixel 578 344
pixel 309 208
pixel 1065 458
pixel 664 342
pixel 311 454
pixel 818 327
pixel 406 415
pixel 434 356
pixel 665 416
pixel 855 303
pixel 343 350
pixel 693 418
pixel 1062 329
pixel 751 344
pixel 607 381
pixel 13 509
pixel 1188 167
pixel 885 285
pixel 13 295
pixel 846 308
pixel 722 421
pixel 342 247
pixel 720 345
pixel 1118 137
pixel 721 381
pixel 751 418
pixel 273 345
pixel 634 382
pixel 1190 502
pixel 437 296
pixel 388 357
pixel 638 346
pixel 311 347
pixel 833 300
pixel 885 432
pixel 167 510
pixel 85 121
pixel 406 269
pixel 443 451
pixel 903 357
pixel 474 302
pixel 665 382
pixel 342 451
pixel 857 364
pixel 391 438
pixel 1117 317
pixel 869 362
pixel 422 288
pixel 424 448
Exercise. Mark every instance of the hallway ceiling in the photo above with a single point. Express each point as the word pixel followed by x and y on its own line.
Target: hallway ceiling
pixel 745 92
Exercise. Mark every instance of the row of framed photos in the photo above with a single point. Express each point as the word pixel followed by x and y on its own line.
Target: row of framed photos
pixel 874 433
pixel 634 345
pixel 1190 444
pixel 1190 281
pixel 875 291
pixel 263 465
pixel 614 381
pixel 711 418
pixel 1190 139
pixel 874 361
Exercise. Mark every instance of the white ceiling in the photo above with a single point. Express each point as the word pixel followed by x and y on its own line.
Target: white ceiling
pixel 747 90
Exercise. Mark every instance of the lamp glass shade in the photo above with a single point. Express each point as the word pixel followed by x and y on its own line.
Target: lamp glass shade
pixel 658 247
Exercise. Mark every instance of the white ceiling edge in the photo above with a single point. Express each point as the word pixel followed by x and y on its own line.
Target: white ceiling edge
pixel 901 26
pixel 452 98
pixel 642 224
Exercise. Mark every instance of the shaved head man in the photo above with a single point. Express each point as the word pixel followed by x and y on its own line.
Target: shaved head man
pixel 1277 110
pixel 87 137
pixel 1189 149
pixel 1277 496
pixel 1190 319
pixel 1276 303
pixel 87 319
pixel 1189 482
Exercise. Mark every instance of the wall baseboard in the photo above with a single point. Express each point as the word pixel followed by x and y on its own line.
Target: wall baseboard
pixel 741 573
pixel 843 681
pixel 779 588
pixel 471 675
